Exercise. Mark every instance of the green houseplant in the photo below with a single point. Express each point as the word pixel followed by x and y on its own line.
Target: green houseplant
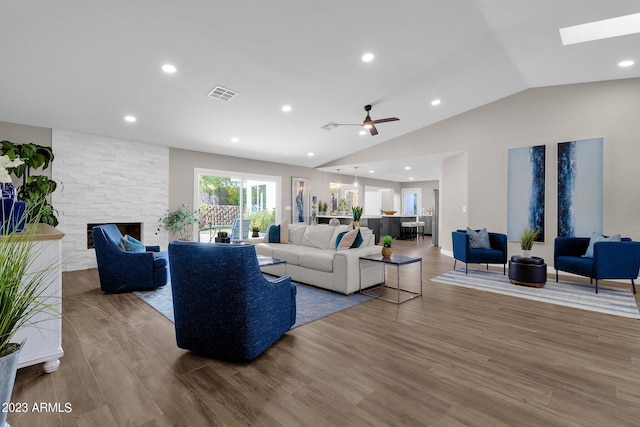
pixel 180 222
pixel 23 295
pixel 343 206
pixel 357 214
pixel 35 189
pixel 527 238
pixel 387 242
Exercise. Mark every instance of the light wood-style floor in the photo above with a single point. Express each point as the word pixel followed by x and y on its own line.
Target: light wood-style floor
pixel 454 357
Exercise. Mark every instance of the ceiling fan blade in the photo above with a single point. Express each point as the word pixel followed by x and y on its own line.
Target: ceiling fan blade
pixel 373 130
pixel 388 119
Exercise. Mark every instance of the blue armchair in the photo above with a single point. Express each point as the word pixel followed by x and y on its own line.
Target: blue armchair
pixel 122 271
pixel 462 251
pixel 223 306
pixel 611 260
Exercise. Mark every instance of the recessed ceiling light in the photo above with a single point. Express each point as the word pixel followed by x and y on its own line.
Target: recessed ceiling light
pixel 130 119
pixel 362 132
pixel 435 102
pixel 410 179
pixel 286 108
pixel 235 139
pixel 407 168
pixel 626 63
pixel 310 154
pixel 169 69
pixel 598 30
pixel 371 171
pixel 368 57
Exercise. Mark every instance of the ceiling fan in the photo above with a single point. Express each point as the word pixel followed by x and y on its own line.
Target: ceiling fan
pixel 370 124
pixel 367 122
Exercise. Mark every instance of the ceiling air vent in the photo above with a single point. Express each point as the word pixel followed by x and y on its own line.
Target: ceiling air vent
pixel 222 93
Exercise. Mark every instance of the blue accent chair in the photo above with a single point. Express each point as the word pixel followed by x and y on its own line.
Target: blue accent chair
pixel 122 271
pixel 611 260
pixel 235 229
pixel 223 306
pixel 496 255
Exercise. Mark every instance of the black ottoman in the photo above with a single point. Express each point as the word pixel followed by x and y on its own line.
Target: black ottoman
pixel 528 271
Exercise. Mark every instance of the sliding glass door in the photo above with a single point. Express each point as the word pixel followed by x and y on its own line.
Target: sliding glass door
pixel 235 203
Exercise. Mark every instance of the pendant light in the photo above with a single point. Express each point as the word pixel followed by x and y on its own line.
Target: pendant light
pixel 355 183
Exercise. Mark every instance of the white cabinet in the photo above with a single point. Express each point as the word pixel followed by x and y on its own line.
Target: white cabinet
pixel 44 338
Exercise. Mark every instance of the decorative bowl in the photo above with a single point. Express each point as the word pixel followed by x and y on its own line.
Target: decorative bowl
pixel 388 212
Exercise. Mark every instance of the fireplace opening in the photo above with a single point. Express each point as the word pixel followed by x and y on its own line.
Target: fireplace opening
pixel 133 229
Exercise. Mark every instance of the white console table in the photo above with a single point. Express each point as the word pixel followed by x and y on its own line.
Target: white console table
pixel 44 338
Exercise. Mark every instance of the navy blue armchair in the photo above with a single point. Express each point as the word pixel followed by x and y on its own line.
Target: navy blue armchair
pixel 497 254
pixel 611 260
pixel 223 306
pixel 122 271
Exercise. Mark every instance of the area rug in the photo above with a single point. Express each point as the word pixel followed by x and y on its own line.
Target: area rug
pixel 618 302
pixel 311 303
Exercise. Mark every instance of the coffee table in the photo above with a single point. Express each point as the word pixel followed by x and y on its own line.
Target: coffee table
pixel 264 261
pixel 403 295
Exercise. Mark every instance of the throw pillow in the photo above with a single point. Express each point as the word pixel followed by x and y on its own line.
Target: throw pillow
pixel 284 231
pixel 478 239
pixel 595 238
pixel 274 234
pixel 348 240
pixel 132 245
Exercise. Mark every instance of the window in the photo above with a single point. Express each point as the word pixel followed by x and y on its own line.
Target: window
pixel 411 201
pixel 222 195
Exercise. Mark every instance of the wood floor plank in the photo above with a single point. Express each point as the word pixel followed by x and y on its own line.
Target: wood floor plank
pixel 453 357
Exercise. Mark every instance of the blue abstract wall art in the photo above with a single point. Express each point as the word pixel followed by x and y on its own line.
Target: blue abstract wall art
pixel 526 191
pixel 580 189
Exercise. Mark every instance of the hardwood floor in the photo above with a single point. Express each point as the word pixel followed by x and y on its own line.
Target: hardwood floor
pixel 453 357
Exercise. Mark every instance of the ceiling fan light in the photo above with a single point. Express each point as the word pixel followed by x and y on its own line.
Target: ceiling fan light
pixel 367 125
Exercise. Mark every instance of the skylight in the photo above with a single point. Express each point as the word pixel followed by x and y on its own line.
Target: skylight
pixel 598 30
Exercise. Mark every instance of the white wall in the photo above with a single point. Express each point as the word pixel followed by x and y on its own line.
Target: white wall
pixel 103 180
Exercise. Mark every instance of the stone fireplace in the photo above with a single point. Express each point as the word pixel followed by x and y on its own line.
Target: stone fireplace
pixel 105 180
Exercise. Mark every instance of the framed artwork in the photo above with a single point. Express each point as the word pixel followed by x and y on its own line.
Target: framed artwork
pixel 580 190
pixel 526 191
pixel 300 202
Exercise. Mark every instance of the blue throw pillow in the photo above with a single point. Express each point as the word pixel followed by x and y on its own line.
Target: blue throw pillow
pixel 595 238
pixel 274 234
pixel 132 245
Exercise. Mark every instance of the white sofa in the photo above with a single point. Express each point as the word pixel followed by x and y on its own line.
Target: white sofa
pixel 311 258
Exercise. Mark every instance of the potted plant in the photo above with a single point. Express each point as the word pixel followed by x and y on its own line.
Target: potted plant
pixel 35 188
pixel 387 242
pixel 357 214
pixel 180 222
pixel 527 238
pixel 255 231
pixel 22 296
pixel 343 206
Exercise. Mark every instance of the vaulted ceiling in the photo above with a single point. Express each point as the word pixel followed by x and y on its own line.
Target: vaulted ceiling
pixel 84 66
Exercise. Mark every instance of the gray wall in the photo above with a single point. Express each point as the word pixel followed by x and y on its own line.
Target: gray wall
pixel 183 162
pixel 533 117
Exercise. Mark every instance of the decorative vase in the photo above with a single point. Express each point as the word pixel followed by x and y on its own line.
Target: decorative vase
pixel 13 215
pixel 356 224
pixel 526 253
pixel 8 369
pixel 386 252
pixel 255 234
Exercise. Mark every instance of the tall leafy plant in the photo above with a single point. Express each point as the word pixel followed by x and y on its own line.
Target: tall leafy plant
pixel 35 188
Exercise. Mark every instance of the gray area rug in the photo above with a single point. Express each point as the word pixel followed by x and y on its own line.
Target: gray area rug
pixel 618 302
